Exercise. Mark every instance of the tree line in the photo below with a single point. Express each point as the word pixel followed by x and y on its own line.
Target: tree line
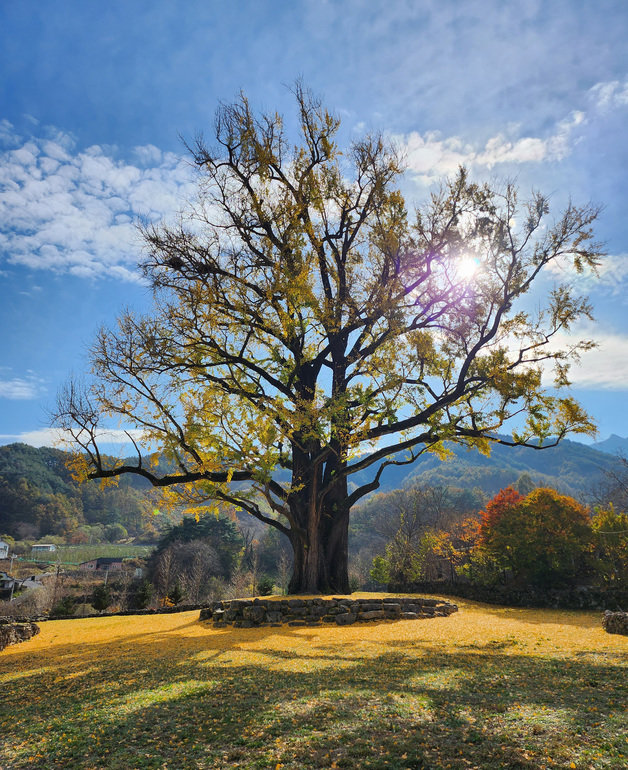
pixel 537 539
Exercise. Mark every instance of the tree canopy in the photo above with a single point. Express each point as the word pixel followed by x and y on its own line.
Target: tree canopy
pixel 542 537
pixel 307 327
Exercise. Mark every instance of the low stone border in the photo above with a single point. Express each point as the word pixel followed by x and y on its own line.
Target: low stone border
pixel 13 632
pixel 249 613
pixel 615 622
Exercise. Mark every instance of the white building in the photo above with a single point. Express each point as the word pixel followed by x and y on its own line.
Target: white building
pixel 43 548
pixel 4 550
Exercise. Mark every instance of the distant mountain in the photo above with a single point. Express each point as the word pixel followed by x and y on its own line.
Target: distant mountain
pixel 614 445
pixel 570 468
pixel 39 497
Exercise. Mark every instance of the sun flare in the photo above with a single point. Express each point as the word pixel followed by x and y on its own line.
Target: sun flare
pixel 467 267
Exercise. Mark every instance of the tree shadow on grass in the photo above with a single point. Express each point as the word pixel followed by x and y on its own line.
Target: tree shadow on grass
pixel 151 702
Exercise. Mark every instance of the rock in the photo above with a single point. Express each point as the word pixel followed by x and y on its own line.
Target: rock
pixel 255 613
pixel 372 615
pixel 246 613
pixel 346 618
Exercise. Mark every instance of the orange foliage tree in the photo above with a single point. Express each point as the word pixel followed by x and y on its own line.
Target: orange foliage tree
pixel 542 538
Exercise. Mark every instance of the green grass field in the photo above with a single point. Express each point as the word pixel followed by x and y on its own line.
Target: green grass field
pixel 76 554
pixel 487 687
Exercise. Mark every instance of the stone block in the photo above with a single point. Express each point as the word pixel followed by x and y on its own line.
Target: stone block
pixel 371 615
pixel 346 618
pixel 255 613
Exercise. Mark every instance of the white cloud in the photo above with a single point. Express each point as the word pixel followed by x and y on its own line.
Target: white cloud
pixel 602 368
pixel 74 212
pixel 611 277
pixel 21 388
pixel 605 367
pixel 610 95
pixel 430 156
pixel 55 437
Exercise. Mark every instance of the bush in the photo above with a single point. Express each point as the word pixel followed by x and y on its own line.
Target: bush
pixel 101 598
pixel 63 607
pixel 265 586
pixel 143 595
pixel 175 595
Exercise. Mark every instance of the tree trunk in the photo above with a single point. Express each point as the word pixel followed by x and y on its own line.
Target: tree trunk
pixel 321 563
pixel 319 509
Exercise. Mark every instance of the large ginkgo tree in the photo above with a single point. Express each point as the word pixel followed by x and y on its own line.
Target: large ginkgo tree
pixel 308 328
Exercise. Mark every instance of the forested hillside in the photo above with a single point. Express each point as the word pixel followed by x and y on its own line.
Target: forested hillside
pixel 38 496
pixel 570 468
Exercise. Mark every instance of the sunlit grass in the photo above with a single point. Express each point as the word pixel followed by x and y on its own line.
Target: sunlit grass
pixel 487 687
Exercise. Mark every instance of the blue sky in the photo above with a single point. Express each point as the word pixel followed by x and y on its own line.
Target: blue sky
pixel 94 98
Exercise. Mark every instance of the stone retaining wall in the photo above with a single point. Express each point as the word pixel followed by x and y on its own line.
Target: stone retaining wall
pixel 615 622
pixel 12 632
pixel 249 613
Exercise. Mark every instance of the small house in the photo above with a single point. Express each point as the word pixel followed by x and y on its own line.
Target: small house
pixel 43 548
pixel 4 550
pixel 6 581
pixel 7 584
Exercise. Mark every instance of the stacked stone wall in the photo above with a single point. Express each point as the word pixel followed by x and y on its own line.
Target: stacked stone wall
pixel 616 622
pixel 12 631
pixel 342 611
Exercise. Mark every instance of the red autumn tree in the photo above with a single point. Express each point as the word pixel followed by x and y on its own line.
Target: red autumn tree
pixel 495 509
pixel 542 538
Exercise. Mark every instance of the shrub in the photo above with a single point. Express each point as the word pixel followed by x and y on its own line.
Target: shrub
pixel 63 607
pixel 101 598
pixel 265 586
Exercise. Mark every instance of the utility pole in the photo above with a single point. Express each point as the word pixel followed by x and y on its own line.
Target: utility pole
pixel 54 593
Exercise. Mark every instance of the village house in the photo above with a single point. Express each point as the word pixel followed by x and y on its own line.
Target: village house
pixel 4 550
pixel 7 584
pixel 6 581
pixel 43 548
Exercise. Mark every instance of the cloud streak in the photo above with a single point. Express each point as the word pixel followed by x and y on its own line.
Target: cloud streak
pixel 429 156
pixel 111 440
pixel 21 388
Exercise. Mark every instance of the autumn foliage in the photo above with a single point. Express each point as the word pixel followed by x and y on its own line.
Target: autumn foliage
pixel 495 509
pixel 541 538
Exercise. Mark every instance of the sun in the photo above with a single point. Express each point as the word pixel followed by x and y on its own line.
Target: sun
pixel 467 267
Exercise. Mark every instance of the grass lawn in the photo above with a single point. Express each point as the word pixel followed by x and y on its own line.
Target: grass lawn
pixel 488 687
